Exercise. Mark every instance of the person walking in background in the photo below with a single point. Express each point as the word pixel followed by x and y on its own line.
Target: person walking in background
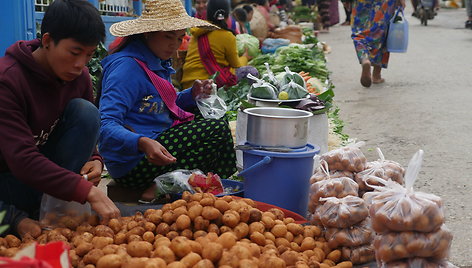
pixel 323 9
pixel 369 33
pixel 468 5
pixel 347 4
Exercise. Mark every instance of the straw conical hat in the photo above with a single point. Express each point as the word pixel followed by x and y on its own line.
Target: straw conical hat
pixel 159 15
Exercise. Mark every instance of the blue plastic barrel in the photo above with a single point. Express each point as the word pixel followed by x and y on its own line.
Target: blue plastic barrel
pixel 281 179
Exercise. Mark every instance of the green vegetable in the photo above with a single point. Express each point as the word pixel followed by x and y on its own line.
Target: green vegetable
pixel 289 76
pixel 263 91
pixel 3 228
pixel 235 94
pixel 247 42
pixel 294 90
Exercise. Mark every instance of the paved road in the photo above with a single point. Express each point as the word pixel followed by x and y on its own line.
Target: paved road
pixel 425 104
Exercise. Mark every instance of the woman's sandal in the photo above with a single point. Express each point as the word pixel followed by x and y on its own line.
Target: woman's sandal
pixel 379 81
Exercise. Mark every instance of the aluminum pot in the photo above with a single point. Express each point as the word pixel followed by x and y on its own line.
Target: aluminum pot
pixel 277 127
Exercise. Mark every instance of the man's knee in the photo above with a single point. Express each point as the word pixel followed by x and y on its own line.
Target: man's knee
pixel 83 113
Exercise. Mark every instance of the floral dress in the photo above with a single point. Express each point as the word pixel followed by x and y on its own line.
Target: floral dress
pixel 370 20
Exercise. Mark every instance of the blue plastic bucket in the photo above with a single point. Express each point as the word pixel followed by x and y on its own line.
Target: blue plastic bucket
pixel 281 179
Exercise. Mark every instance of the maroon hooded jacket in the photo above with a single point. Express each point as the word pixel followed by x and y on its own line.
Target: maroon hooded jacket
pixel 31 103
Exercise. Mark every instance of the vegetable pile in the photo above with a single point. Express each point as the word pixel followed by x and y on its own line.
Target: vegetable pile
pixel 199 230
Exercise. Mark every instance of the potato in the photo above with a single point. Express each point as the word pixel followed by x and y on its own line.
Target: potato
pixel 241 230
pixel 231 218
pixel 161 241
pixel 3 242
pixel 279 230
pixel 199 233
pixel 200 223
pixel 155 217
pixel 211 213
pixel 164 253
pixel 83 248
pixel 155 263
pixel 308 243
pixel 248 263
pixel 191 259
pixel 169 217
pixel 103 230
pixel 295 229
pixel 110 261
pixel 290 257
pixel 10 252
pixel 134 237
pixel 172 234
pixel 74 258
pixel 183 222
pixel 176 264
pixel 187 233
pixel 248 201
pixel 255 215
pixel 93 256
pixel 256 227
pixel 258 238
pixel 12 241
pixel 213 228
pixel 212 251
pixel 163 228
pixel 110 249
pixel 196 247
pixel 120 238
pixel 135 263
pixel 178 203
pixel 227 240
pixel 180 246
pixel 139 249
pixel 101 242
pixel 335 256
pixel 270 236
pixel 148 237
pixel 195 211
pixel 221 205
pixel 344 264
pixel 279 214
pixel 204 264
pixel 197 197
pixel 207 201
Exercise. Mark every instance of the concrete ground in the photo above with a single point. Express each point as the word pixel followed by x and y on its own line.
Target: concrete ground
pixel 424 104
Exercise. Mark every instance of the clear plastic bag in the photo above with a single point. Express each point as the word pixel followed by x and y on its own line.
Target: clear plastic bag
pixel 269 77
pixel 397 246
pixel 385 169
pixel 398 208
pixel 174 182
pixel 348 158
pixel 418 263
pixel 294 90
pixel 342 212
pixel 321 175
pixel 354 236
pixel 261 89
pixel 358 255
pixel 212 106
pixel 59 213
pixel 337 187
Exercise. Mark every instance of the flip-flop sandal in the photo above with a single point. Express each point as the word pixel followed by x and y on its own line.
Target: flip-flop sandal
pixel 366 78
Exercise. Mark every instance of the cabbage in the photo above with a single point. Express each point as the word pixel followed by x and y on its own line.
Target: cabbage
pixel 249 42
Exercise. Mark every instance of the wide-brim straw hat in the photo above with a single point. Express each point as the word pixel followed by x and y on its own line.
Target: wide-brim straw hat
pixel 159 15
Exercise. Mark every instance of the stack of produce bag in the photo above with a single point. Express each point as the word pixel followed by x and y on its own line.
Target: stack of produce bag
pixel 409 225
pixel 385 169
pixel 335 205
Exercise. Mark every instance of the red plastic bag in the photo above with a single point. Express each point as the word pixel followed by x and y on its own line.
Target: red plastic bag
pixel 210 183
pixel 51 255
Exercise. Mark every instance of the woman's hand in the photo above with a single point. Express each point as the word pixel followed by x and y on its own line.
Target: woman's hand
pixel 92 171
pixel 155 152
pixel 202 87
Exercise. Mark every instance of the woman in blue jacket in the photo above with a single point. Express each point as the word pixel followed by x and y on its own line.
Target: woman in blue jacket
pixel 147 128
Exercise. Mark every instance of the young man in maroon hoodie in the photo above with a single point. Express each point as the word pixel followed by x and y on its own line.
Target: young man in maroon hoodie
pixel 48 124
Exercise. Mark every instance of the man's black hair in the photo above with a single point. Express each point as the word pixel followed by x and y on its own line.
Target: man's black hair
pixel 240 14
pixel 77 19
pixel 248 8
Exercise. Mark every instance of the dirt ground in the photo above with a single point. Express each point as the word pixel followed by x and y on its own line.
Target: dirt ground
pixel 424 104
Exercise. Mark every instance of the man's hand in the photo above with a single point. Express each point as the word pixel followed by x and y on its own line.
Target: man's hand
pixel 92 171
pixel 155 152
pixel 28 226
pixel 102 205
pixel 202 87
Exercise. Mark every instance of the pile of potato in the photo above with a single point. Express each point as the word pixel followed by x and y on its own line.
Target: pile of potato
pixel 408 224
pixel 199 230
pixel 347 225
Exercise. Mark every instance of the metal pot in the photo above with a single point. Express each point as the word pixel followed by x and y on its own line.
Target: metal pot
pixel 277 127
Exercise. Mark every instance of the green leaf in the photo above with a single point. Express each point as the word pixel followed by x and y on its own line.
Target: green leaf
pixel 2 215
pixel 3 228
